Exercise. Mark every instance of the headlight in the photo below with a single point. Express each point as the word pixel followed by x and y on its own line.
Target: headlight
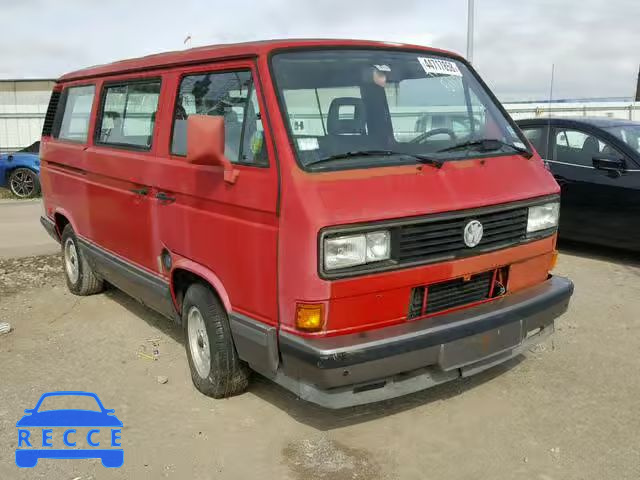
pixel 352 250
pixel 543 217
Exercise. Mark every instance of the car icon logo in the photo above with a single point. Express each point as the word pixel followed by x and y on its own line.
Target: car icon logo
pixel 473 232
pixel 65 428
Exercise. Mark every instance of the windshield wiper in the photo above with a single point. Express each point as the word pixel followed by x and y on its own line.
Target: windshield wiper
pixel 378 153
pixel 487 145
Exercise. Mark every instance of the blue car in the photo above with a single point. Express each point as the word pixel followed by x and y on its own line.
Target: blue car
pixel 19 171
pixel 33 446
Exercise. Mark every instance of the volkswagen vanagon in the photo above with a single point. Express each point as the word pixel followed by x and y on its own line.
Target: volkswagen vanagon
pixel 354 220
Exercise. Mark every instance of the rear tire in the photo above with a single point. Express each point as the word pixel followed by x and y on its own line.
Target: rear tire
pixel 24 183
pixel 216 369
pixel 81 279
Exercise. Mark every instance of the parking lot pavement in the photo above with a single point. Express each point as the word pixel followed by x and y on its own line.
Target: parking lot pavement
pixel 566 410
pixel 21 234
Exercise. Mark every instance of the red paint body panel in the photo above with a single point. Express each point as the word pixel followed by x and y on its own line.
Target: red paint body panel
pixel 256 241
pixel 368 195
pixel 381 299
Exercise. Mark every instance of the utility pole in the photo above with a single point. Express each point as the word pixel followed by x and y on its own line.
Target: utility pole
pixel 553 74
pixel 470 18
pixel 637 99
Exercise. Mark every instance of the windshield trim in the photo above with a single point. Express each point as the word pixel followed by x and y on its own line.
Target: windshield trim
pixel 403 49
pixel 386 162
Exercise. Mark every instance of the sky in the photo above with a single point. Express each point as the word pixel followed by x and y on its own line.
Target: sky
pixel 593 43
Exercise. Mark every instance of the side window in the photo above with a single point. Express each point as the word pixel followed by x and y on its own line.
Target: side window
pixel 74 124
pixel 578 148
pixel 129 114
pixel 253 150
pixel 537 138
pixel 228 94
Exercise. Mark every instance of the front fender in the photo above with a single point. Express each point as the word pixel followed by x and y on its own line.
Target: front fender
pixel 13 166
pixel 22 160
pixel 181 263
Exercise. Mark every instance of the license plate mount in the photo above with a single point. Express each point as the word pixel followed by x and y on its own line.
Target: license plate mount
pixel 477 347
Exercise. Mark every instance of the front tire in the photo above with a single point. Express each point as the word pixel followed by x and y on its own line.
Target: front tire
pixel 24 183
pixel 81 279
pixel 215 367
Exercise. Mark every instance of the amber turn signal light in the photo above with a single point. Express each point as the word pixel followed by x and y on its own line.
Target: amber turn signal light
pixel 554 260
pixel 309 317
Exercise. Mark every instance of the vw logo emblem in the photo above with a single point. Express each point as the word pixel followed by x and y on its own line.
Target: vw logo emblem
pixel 473 233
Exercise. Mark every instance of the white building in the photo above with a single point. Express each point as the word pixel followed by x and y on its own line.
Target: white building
pixel 23 104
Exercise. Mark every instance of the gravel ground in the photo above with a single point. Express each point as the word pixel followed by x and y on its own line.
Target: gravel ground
pixel 5 193
pixel 568 409
pixel 17 274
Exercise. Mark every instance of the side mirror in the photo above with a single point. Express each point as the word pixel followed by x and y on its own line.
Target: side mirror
pixel 614 166
pixel 10 158
pixel 205 144
pixel 29 410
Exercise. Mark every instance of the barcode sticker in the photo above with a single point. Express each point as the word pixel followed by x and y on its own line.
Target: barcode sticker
pixel 306 144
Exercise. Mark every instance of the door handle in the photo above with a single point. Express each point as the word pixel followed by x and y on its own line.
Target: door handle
pixel 163 197
pixel 139 191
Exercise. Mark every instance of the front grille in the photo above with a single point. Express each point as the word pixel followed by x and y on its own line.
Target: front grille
pixel 458 292
pixel 450 294
pixel 416 303
pixel 442 239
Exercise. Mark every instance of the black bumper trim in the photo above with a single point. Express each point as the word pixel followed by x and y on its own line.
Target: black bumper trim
pixel 256 343
pixel 347 350
pixel 50 227
pixel 151 290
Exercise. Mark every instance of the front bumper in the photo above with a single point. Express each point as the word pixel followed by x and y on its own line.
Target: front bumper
pixel 353 369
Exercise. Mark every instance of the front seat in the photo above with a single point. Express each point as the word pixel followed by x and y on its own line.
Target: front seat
pixel 356 125
pixel 346 134
pixel 591 146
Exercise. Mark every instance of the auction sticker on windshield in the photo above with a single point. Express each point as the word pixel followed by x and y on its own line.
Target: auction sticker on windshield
pixel 439 66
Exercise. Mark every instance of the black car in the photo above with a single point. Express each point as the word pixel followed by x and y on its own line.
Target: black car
pixel 596 161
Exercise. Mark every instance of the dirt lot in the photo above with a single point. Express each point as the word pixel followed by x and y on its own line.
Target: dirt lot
pixel 5 193
pixel 21 234
pixel 568 409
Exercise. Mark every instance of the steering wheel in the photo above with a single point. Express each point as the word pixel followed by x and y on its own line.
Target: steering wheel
pixel 436 131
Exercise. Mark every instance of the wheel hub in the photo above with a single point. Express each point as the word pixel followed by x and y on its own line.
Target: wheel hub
pixel 198 342
pixel 71 261
pixel 22 185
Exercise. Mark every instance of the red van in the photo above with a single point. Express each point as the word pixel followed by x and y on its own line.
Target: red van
pixel 354 220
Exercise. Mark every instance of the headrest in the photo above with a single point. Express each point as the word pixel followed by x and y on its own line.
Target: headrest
pixel 591 145
pixel 346 120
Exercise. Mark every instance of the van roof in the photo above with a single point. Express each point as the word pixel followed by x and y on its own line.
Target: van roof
pixel 225 51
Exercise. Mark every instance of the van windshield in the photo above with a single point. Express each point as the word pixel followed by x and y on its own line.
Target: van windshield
pixel 370 107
